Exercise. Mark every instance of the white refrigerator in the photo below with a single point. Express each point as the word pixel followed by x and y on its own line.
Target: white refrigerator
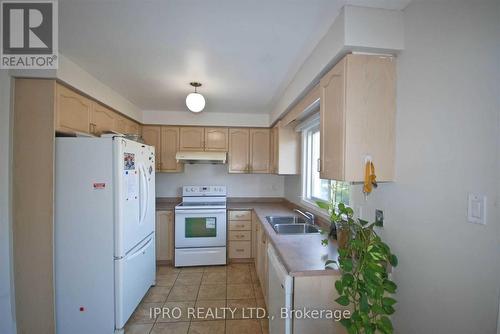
pixel 104 232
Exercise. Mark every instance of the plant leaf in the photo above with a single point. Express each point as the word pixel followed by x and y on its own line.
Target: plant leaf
pixel 346 264
pixel 388 301
pixel 385 325
pixel 347 279
pixel 389 309
pixel 349 211
pixel 342 300
pixel 346 322
pixel 390 286
pixel 393 260
pixel 363 303
pixel 323 205
pixel 339 287
pixel 363 222
pixel 324 242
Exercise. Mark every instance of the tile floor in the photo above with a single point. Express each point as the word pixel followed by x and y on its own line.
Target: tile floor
pixel 233 286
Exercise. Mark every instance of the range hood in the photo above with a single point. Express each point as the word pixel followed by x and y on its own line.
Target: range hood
pixel 201 157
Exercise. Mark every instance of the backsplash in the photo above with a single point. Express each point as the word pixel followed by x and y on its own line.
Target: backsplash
pixel 238 185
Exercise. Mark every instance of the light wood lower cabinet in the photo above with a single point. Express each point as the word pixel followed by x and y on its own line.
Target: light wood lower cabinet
pixel 240 234
pixel 151 135
pixel 261 262
pixel 73 111
pixel 239 249
pixel 357 108
pixel 240 215
pixel 164 235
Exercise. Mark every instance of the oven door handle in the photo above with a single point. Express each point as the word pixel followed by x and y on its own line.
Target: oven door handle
pixel 198 212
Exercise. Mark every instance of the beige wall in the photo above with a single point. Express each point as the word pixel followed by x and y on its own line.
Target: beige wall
pixel 7 324
pixel 238 185
pixel 448 135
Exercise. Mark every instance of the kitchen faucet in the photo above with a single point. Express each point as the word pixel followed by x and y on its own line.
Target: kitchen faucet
pixel 307 215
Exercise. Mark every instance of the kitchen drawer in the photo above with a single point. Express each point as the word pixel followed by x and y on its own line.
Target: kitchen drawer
pixel 240 215
pixel 240 235
pixel 236 225
pixel 240 249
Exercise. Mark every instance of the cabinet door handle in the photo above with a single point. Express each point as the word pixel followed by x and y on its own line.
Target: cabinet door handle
pixel 319 165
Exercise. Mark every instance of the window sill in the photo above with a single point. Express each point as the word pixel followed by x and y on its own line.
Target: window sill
pixel 315 209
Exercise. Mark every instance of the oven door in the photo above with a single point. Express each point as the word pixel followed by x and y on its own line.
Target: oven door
pixel 200 228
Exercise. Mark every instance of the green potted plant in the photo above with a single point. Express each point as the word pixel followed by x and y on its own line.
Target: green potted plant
pixel 364 262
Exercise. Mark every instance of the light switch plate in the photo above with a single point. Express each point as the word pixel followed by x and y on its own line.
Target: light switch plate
pixel 476 209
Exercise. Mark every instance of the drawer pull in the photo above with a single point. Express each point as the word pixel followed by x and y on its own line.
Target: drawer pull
pixel 240 250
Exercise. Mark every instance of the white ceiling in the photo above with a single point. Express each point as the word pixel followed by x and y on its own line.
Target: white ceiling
pixel 243 52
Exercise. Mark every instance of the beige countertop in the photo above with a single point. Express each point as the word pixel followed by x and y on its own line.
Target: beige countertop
pixel 302 255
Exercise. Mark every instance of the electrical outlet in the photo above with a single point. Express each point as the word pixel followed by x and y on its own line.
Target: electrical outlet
pixel 379 217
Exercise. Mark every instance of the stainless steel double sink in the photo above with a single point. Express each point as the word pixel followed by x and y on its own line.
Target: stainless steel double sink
pixel 291 225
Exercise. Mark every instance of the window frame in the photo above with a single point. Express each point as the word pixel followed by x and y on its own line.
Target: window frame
pixel 307 164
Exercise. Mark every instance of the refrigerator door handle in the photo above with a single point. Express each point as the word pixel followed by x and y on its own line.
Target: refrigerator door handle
pixel 139 251
pixel 144 187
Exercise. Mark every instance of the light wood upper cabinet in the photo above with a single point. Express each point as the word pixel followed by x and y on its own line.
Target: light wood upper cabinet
pixel 102 119
pixel 170 137
pixel 121 124
pixel 216 139
pixel 164 235
pixel 192 139
pixel 133 127
pixel 127 126
pixel 73 111
pixel 358 117
pixel 285 150
pixel 152 136
pixel 249 150
pixel 239 150
pixel 260 150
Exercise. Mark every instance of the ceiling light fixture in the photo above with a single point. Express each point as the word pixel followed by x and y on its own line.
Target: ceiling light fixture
pixel 195 101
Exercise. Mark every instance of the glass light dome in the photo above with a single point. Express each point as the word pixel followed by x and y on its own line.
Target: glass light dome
pixel 195 102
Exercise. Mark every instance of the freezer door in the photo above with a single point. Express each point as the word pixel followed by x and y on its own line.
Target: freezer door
pixel 134 274
pixel 135 194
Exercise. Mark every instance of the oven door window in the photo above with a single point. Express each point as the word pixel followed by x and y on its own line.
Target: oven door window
pixel 201 227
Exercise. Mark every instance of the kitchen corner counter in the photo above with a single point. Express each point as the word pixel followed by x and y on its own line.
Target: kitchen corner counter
pixel 167 203
pixel 302 255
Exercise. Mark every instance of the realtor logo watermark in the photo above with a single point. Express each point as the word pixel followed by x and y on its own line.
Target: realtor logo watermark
pixel 29 34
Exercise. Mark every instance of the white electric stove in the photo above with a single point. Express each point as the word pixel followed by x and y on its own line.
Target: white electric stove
pixel 200 226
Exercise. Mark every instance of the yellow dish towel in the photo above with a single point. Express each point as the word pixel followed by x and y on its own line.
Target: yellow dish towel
pixel 370 178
